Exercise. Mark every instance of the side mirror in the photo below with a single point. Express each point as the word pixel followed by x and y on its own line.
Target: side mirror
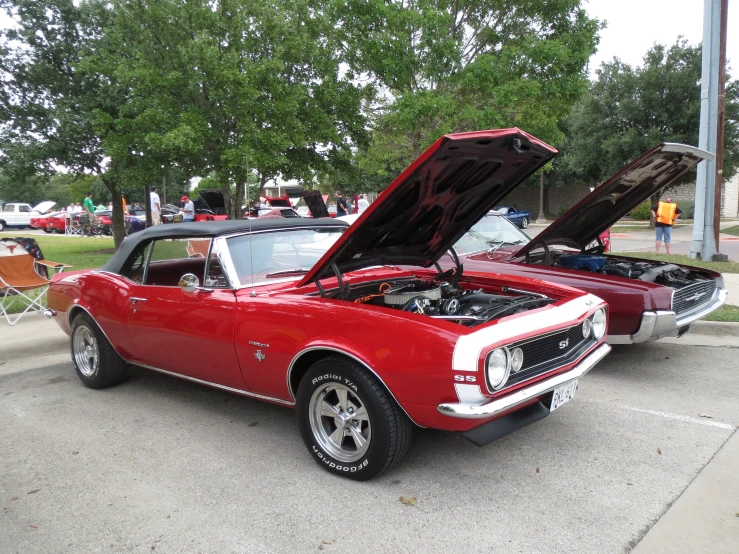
pixel 189 282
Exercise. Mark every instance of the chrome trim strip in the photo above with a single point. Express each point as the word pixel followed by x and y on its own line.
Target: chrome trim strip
pixel 353 357
pixel 483 411
pixel 217 386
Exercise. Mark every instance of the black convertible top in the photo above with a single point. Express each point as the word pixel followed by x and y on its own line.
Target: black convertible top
pixel 209 229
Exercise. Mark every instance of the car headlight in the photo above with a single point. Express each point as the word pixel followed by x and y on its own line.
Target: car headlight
pixel 599 324
pixel 586 326
pixel 498 368
pixel 516 360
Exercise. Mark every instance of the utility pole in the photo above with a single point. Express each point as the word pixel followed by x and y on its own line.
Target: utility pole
pixel 704 242
pixel 720 123
pixel 541 218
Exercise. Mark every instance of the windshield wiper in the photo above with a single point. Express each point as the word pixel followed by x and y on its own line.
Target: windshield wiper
pixel 287 272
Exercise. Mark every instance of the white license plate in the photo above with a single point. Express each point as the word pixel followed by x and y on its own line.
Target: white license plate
pixel 562 394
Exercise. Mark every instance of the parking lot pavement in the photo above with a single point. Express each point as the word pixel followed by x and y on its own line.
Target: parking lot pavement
pixel 162 465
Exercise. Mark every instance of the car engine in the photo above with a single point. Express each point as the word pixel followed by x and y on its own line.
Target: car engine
pixel 669 275
pixel 444 300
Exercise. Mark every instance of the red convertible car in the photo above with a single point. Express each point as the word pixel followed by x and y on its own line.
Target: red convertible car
pixel 316 315
pixel 647 299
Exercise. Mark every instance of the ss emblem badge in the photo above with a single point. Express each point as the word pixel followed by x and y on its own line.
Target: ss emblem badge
pixel 563 344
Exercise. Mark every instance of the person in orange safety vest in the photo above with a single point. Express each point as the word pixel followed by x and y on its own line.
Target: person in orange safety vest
pixel 665 214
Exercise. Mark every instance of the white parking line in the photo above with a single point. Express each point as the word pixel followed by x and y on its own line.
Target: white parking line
pixel 688 419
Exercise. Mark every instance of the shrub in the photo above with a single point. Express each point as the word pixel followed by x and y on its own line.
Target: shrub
pixel 688 208
pixel 641 212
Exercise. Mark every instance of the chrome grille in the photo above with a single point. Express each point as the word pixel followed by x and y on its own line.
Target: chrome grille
pixel 692 296
pixel 545 353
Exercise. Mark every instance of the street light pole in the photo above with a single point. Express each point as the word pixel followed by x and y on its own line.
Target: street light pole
pixel 720 123
pixel 704 243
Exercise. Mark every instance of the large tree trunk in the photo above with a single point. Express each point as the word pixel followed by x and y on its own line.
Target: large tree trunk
pixel 147 205
pixel 652 201
pixel 117 215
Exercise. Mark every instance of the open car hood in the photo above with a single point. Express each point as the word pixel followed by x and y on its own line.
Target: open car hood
pixel 315 203
pixel 647 175
pixel 279 202
pixel 43 206
pixel 423 212
pixel 211 199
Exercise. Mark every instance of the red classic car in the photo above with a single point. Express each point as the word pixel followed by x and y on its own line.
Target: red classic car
pixel 647 299
pixel 210 206
pixel 57 223
pixel 315 315
pixel 42 221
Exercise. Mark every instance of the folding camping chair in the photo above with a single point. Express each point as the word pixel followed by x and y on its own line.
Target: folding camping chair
pixel 19 277
pixel 72 224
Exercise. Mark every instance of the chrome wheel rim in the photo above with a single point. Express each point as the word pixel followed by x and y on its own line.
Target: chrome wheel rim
pixel 340 422
pixel 85 349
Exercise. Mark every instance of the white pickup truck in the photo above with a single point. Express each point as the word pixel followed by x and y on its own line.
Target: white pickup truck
pixel 18 214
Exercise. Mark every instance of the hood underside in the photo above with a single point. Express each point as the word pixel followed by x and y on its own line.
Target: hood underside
pixel 648 175
pixel 421 214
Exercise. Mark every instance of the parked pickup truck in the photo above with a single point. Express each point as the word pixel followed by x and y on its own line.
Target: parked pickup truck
pixel 17 214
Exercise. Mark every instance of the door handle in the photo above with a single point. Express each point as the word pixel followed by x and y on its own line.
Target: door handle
pixel 135 299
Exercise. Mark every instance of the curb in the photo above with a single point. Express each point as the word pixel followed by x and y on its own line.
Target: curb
pixel 715 328
pixel 40 346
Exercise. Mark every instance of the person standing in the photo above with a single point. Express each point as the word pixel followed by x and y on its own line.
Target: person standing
pixel 341 206
pixel 188 209
pixel 665 214
pixel 362 203
pixel 156 207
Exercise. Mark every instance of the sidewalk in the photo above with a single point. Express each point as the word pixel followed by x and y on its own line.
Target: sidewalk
pixel 705 518
pixel 34 335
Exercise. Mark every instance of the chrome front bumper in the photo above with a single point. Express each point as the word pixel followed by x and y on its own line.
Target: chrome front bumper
pixel 660 324
pixel 468 410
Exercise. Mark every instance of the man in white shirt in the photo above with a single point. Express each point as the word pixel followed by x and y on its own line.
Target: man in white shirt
pixel 188 209
pixel 156 207
pixel 362 203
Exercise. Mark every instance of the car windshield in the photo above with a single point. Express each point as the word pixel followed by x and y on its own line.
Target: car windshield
pixel 492 231
pixel 265 257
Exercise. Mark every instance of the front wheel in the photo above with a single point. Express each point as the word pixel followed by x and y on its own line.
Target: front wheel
pixel 2 225
pixel 524 222
pixel 350 423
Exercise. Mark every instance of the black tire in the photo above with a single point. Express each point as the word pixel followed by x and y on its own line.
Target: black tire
pixel 2 225
pixel 388 428
pixel 104 370
pixel 47 230
pixel 524 223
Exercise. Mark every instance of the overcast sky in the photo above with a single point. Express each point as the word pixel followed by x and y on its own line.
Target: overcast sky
pixel 635 25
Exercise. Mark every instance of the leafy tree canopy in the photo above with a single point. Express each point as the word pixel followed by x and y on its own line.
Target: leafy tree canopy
pixel 629 110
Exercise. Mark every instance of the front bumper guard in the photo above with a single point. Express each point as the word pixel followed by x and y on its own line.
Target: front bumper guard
pixel 468 410
pixel 660 324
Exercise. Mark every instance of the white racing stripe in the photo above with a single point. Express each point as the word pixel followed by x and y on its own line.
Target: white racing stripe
pixel 470 394
pixel 468 349
pixel 687 419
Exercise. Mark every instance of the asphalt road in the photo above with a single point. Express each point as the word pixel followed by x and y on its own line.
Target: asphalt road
pixel 161 465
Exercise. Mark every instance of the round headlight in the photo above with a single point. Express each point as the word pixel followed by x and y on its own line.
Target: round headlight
pixel 498 368
pixel 599 324
pixel 516 360
pixel 586 328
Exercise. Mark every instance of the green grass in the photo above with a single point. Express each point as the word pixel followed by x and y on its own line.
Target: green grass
pixel 79 252
pixel 721 267
pixel 629 228
pixel 727 312
pixel 732 231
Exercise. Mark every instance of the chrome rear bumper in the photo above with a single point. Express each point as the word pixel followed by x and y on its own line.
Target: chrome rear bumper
pixel 659 324
pixel 468 410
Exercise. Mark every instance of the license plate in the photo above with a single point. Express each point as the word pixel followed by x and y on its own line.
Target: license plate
pixel 562 394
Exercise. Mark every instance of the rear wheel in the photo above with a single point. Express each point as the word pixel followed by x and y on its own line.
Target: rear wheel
pixel 96 362
pixel 2 225
pixel 524 222
pixel 350 423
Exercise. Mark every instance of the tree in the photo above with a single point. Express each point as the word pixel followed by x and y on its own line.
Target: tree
pixel 51 102
pixel 442 66
pixel 226 87
pixel 629 110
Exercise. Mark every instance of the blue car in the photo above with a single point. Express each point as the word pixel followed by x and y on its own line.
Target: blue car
pixel 134 221
pixel 518 218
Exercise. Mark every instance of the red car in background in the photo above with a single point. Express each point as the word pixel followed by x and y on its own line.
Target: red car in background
pixel 57 223
pixel 210 206
pixel 42 221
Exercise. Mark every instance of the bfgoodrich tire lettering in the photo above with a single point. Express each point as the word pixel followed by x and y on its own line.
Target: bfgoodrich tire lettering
pixel 350 423
pixel 96 362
